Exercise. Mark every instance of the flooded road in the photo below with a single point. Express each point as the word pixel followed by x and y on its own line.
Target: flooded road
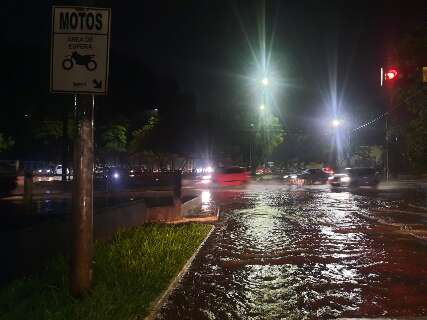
pixel 280 252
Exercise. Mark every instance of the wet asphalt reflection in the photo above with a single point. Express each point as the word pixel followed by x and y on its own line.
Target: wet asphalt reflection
pixel 281 252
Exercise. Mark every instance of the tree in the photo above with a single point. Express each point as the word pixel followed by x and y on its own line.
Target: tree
pixel 47 136
pixel 409 127
pixel 5 143
pixel 240 134
pixel 146 145
pixel 113 142
pixel 269 135
pixel 48 131
pixel 365 156
pixel 143 138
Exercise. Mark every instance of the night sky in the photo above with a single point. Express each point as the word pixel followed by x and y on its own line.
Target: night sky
pixel 319 51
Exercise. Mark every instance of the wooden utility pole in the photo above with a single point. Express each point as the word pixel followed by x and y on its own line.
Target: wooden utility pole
pixel 82 206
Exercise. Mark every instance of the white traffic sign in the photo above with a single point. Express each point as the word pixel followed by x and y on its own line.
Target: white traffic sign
pixel 80 49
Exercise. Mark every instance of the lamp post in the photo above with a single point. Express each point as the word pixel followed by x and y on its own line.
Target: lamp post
pixel 342 133
pixel 262 84
pixel 336 124
pixel 251 145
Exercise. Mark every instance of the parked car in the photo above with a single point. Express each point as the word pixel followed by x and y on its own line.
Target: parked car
pixel 58 170
pixel 44 171
pixel 230 176
pixel 114 174
pixel 355 177
pixel 263 170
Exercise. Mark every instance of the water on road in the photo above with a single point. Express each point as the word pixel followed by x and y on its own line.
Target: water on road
pixel 283 252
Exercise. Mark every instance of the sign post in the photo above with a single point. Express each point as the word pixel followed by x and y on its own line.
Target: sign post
pixel 79 65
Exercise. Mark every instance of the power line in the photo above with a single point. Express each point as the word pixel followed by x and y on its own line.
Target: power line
pixel 386 113
pixel 371 121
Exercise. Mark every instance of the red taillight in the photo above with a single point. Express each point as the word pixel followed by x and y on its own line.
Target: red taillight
pixel 328 170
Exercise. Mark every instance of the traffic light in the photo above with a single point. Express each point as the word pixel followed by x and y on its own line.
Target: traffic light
pixel 391 74
pixel 405 75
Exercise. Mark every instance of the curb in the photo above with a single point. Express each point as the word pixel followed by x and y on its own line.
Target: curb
pixel 392 318
pixel 158 303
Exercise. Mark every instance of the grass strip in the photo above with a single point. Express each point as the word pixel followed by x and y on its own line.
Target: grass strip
pixel 129 273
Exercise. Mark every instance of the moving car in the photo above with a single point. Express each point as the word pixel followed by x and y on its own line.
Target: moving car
pixel 308 176
pixel 230 176
pixel 314 176
pixel 290 177
pixel 355 177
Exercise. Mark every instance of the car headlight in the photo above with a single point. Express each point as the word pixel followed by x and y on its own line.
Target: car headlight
pixel 293 176
pixel 116 175
pixel 330 178
pixel 208 177
pixel 345 179
pixel 285 177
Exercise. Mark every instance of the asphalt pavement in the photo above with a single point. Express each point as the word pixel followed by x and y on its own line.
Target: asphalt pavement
pixel 306 252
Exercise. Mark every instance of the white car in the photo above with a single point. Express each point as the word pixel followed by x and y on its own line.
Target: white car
pixel 58 170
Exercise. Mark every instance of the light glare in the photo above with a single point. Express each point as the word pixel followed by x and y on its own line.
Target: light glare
pixel 345 179
pixel 336 122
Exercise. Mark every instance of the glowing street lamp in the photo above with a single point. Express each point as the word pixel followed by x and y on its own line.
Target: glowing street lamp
pixel 265 82
pixel 336 123
pixel 262 107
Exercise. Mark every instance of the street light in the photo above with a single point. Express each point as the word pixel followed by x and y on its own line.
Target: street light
pixel 265 82
pixel 336 123
pixel 262 107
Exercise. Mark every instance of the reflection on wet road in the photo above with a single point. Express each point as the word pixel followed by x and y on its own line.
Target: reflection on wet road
pixel 300 253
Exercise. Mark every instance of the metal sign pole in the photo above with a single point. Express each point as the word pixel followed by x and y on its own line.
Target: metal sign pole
pixel 82 206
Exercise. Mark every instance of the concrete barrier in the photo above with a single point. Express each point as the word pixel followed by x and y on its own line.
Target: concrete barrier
pixel 26 250
pixel 192 206
pixel 109 220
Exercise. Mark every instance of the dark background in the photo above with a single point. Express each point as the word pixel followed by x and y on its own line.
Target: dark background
pixel 325 57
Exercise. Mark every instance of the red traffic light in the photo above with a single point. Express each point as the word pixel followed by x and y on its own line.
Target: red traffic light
pixel 391 74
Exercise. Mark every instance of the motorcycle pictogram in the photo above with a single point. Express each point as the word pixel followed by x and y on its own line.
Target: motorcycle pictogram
pixel 81 60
